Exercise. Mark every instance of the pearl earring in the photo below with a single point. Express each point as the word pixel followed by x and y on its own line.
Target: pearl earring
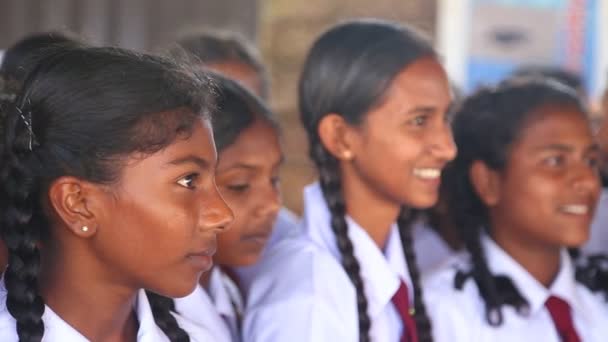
pixel 85 228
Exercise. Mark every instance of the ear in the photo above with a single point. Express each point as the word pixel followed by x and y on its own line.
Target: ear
pixel 486 183
pixel 337 136
pixel 76 203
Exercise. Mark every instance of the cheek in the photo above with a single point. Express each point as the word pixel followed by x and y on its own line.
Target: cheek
pixel 148 228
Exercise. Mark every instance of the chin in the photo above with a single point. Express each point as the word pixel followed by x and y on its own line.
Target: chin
pixel 178 288
pixel 421 202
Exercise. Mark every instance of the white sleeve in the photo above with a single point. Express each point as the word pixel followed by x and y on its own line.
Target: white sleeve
pixel 301 295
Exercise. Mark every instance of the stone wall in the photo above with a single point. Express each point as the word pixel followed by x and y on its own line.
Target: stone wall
pixel 287 29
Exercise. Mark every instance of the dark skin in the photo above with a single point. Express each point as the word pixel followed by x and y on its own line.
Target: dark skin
pixel 545 197
pixel 248 179
pixel 154 228
pixel 395 156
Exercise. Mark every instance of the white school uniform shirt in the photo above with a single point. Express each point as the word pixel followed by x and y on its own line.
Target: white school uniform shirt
pixel 598 239
pixel 459 315
pixel 286 226
pixel 214 310
pixel 431 250
pixel 58 330
pixel 302 293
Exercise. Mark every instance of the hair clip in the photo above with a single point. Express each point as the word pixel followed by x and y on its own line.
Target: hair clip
pixel 27 120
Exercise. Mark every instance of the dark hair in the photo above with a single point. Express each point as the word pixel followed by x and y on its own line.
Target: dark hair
pixel 485 126
pixel 225 46
pixel 592 271
pixel 566 77
pixel 18 59
pixel 348 71
pixel 237 109
pixel 79 111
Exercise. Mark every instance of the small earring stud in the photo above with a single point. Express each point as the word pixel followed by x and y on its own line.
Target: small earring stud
pixel 347 155
pixel 85 228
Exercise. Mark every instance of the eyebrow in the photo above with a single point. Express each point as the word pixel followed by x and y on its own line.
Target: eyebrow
pixel 253 167
pixel 191 159
pixel 568 148
pixel 422 110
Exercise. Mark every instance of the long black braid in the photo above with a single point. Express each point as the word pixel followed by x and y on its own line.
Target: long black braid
pixel 21 229
pixel 162 308
pixel 485 126
pixel 331 185
pixel 592 271
pixel 423 323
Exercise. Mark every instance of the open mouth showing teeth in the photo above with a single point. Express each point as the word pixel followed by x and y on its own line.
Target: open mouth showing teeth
pixel 575 209
pixel 427 173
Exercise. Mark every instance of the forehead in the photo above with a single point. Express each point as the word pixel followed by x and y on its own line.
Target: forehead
pixel 423 83
pixel 198 144
pixel 256 144
pixel 553 124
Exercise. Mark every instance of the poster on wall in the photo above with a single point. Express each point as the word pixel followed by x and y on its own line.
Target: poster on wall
pixel 485 40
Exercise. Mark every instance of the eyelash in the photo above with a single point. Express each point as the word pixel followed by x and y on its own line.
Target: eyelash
pixel 419 120
pixel 275 181
pixel 238 187
pixel 554 161
pixel 188 180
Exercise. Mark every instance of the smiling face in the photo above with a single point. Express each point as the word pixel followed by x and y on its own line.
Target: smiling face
pixel 248 178
pixel 404 143
pixel 550 184
pixel 161 218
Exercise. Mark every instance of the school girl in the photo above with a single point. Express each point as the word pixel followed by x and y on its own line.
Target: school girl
pixel 107 190
pixel 247 138
pixel 373 99
pixel 233 56
pixel 522 190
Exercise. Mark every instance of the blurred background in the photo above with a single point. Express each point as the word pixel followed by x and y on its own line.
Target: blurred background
pixel 481 41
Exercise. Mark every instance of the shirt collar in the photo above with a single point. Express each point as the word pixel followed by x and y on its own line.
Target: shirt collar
pixel 224 293
pixel 381 272
pixel 564 286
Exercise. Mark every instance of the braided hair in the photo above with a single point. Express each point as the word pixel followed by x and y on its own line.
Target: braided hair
pixel 485 126
pixel 347 72
pixel 78 110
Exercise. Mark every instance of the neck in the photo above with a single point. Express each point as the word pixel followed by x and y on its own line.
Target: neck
pixel 540 260
pixel 370 209
pixel 85 297
pixel 205 279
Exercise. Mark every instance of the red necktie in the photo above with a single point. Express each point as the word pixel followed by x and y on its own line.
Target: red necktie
pixel 560 313
pixel 402 304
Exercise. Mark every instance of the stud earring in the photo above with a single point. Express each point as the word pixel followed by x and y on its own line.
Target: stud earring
pixel 347 155
pixel 85 228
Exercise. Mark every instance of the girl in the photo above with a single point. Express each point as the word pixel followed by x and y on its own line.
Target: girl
pixel 107 188
pixel 373 99
pixel 247 139
pixel 522 189
pixel 233 56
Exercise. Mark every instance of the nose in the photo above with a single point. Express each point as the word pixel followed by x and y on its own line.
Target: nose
pixel 443 146
pixel 216 214
pixel 587 180
pixel 269 201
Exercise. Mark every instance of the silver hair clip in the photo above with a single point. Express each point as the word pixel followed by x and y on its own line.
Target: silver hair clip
pixel 28 124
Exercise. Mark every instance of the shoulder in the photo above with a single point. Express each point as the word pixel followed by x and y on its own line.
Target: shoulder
pixel 196 332
pixel 594 302
pixel 299 278
pixel 454 311
pixel 296 267
pixel 8 330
